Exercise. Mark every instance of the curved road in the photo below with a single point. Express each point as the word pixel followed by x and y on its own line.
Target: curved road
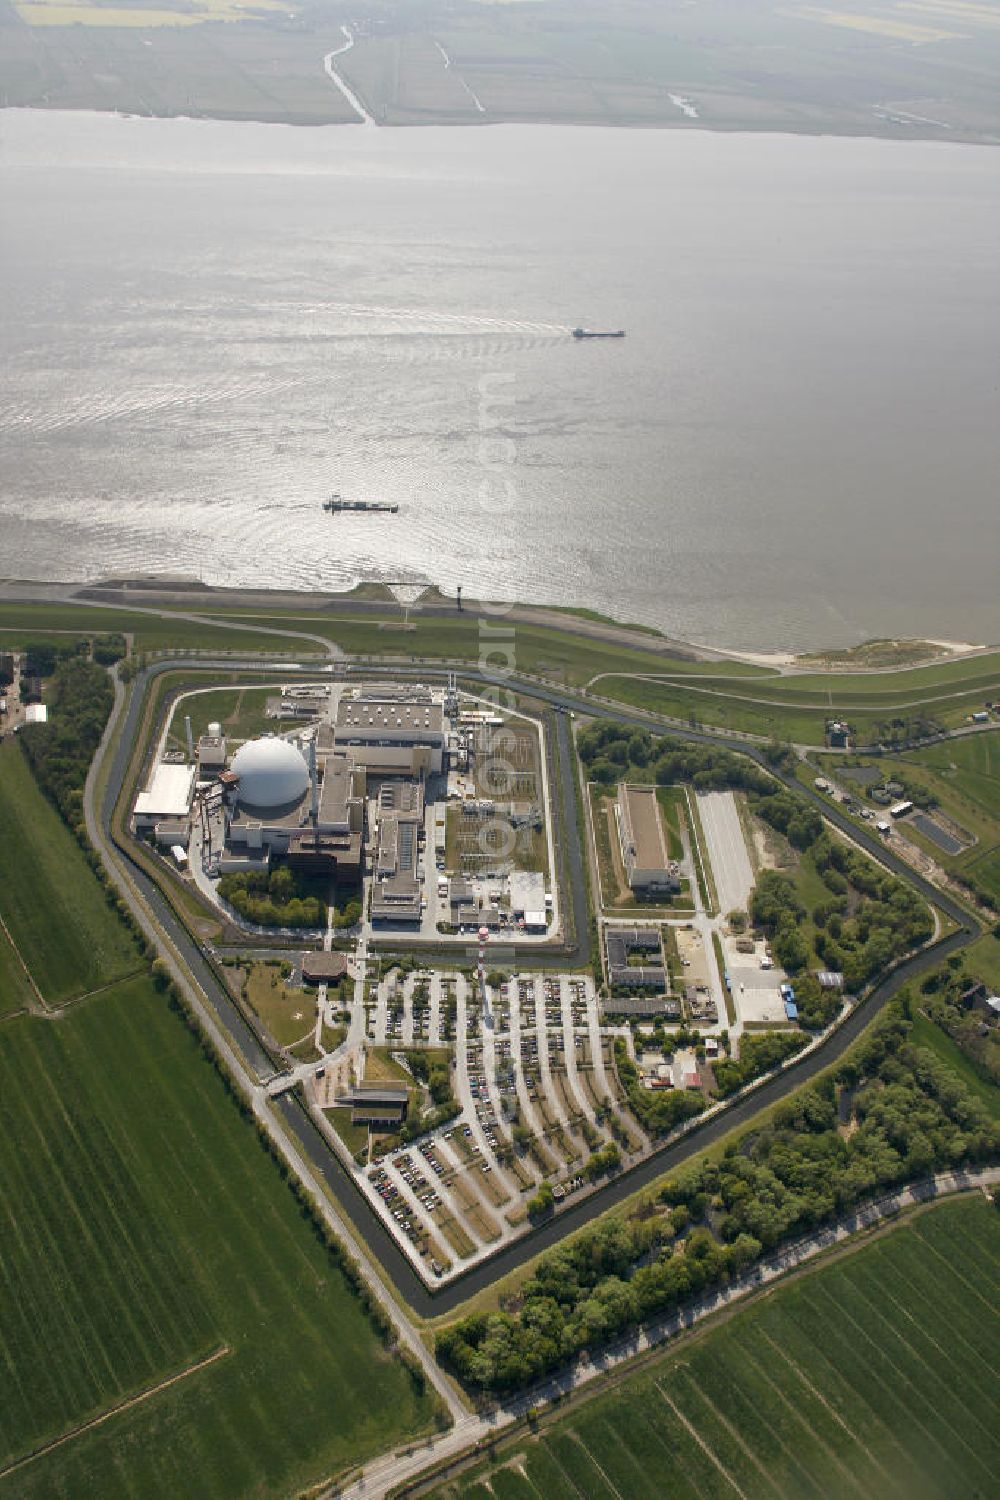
pixel 431 1302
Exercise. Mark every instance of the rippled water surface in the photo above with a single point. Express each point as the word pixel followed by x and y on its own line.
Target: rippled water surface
pixel 209 327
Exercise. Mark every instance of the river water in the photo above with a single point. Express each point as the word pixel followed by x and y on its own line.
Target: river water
pixel 209 327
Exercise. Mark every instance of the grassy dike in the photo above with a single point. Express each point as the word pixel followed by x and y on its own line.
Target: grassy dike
pixel 159 1281
pixel 726 694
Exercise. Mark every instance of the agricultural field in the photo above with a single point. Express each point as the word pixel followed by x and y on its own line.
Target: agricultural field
pixel 641 64
pixel 239 63
pixel 871 1375
pixel 56 913
pixel 755 68
pixel 157 1278
pixel 152 1231
pixel 16 992
pixel 80 13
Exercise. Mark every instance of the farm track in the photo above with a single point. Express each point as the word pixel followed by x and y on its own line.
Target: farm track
pixel 114 1411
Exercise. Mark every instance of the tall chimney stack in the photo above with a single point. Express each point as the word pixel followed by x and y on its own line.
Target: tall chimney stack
pixel 190 738
pixel 314 782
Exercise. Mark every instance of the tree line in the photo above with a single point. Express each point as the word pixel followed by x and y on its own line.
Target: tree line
pixel 866 918
pixel 59 751
pixel 610 751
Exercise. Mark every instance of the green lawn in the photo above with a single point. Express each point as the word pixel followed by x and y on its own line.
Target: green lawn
pixel 240 711
pixel 984 960
pixel 873 1376
pixel 67 934
pixel 797 708
pixel 554 653
pixel 672 807
pixel 718 709
pixel 20 623
pixel 986 869
pixel 288 1014
pixel 965 770
pixel 718 693
pixel 142 1227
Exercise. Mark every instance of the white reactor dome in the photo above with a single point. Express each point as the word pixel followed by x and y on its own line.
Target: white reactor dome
pixel 272 773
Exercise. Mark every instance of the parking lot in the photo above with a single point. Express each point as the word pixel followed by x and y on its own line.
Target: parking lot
pixel 727 850
pixel 531 1071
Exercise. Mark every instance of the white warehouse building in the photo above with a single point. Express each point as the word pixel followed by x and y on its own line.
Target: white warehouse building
pixel 167 799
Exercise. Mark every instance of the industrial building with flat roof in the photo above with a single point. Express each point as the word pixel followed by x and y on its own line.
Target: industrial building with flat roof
pixel 620 944
pixel 643 1007
pixel 373 1103
pixel 399 734
pixel 648 866
pixel 396 894
pixel 168 797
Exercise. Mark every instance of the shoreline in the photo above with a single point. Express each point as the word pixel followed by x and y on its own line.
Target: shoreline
pixel 171 591
pixel 819 132
pixel 477 122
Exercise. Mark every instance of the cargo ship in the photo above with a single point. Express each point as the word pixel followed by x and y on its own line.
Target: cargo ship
pixel 337 503
pixel 590 333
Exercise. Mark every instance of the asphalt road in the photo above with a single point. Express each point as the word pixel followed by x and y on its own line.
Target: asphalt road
pixel 432 1302
pixel 257 1059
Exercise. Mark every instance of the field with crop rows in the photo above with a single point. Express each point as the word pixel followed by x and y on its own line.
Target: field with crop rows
pixel 56 913
pixel 144 1228
pixel 170 1321
pixel 872 1376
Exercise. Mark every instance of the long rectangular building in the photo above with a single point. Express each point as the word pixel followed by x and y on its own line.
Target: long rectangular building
pixel 648 865
pixel 396 894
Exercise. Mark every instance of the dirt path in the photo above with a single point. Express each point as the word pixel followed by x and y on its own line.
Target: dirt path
pixel 27 972
pixel 114 1411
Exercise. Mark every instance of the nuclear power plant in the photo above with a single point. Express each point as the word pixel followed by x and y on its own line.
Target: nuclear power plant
pixel 359 790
